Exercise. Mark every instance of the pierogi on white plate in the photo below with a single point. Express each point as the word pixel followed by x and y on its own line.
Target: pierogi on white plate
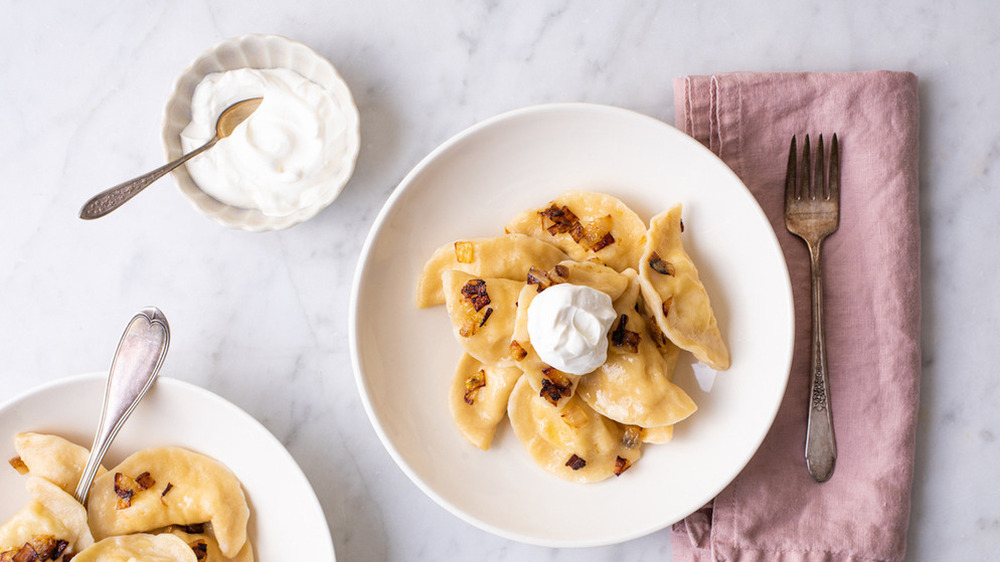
pixel 580 427
pixel 160 504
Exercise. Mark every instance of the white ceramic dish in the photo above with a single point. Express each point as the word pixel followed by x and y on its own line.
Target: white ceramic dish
pixel 176 413
pixel 471 186
pixel 256 51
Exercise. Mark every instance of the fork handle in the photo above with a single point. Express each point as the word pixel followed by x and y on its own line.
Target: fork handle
pixel 821 445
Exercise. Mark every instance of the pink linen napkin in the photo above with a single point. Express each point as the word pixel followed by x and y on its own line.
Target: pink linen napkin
pixel 774 511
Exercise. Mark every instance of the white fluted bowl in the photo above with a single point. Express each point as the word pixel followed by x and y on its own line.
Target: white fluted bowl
pixel 260 52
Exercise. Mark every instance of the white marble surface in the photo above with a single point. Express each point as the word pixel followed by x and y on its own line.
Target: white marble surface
pixel 262 318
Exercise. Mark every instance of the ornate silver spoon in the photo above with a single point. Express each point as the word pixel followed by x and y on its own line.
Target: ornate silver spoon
pixel 137 361
pixel 110 199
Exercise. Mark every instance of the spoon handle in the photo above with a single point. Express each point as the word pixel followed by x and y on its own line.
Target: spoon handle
pixel 112 198
pixel 137 361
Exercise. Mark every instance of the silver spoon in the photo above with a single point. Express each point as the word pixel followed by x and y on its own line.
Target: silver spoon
pixel 137 361
pixel 110 199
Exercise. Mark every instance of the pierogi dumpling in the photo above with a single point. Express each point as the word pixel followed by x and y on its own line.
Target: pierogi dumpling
pixel 206 548
pixel 575 443
pixel 633 386
pixel 52 517
pixel 507 257
pixel 675 295
pixel 53 458
pixel 482 314
pixel 548 382
pixel 182 488
pixel 670 353
pixel 138 547
pixel 587 226
pixel 478 400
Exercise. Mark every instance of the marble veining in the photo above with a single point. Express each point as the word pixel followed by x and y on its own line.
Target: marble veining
pixel 262 318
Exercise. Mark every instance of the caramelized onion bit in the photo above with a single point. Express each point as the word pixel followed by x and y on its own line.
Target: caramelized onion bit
pixel 193 529
pixel 49 547
pixel 660 266
pixel 556 376
pixel 574 416
pixel 475 291
pixel 632 437
pixel 200 548
pixel 561 271
pixel 473 384
pixel 476 298
pixel 621 465
pixel 595 235
pixel 516 351
pixel 125 488
pixel 666 304
pixel 465 252
pixel 486 316
pixel 38 549
pixel 561 217
pixel 167 489
pixel 469 328
pixel 555 385
pixel 603 242
pixel 575 462
pixel 18 465
pixel 26 553
pixel 145 481
pixel 655 333
pixel 622 337
pixel 538 277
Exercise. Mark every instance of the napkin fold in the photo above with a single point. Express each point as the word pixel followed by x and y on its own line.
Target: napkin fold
pixel 773 510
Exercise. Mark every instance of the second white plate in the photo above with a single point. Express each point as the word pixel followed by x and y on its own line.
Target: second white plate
pixel 470 187
pixel 176 413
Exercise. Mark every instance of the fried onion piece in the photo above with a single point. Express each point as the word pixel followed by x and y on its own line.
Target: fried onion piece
pixel 18 465
pixel 621 465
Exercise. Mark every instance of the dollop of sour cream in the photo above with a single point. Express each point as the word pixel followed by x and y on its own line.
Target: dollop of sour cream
pixel 284 156
pixel 568 326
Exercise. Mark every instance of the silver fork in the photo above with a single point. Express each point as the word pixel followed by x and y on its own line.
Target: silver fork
pixel 812 212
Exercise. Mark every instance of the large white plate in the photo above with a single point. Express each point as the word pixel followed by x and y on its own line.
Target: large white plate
pixel 286 519
pixel 471 186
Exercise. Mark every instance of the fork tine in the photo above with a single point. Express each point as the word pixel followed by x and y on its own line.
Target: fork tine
pixel 790 191
pixel 835 170
pixel 806 191
pixel 819 181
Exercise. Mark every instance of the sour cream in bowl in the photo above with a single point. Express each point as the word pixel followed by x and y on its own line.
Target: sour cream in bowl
pixel 285 163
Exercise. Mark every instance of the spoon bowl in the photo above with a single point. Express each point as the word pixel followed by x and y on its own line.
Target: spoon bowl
pixel 110 199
